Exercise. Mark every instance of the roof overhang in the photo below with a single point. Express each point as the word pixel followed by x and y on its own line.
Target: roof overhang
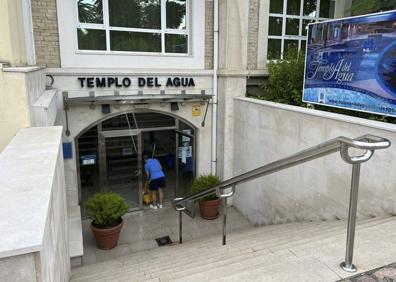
pixel 135 99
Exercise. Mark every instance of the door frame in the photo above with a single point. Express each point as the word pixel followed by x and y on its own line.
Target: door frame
pixel 102 135
pixel 98 123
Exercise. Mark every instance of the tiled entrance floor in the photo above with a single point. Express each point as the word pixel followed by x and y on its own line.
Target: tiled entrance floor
pixel 141 228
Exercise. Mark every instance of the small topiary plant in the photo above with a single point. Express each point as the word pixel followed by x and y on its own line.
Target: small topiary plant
pixel 204 182
pixel 106 209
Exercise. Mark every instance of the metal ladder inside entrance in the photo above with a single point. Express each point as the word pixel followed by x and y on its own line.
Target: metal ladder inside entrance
pixel 368 143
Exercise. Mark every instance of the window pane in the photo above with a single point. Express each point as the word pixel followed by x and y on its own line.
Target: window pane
pixel 176 43
pixel 274 49
pixel 275 26
pixel 91 39
pixel 327 8
pixel 292 26
pixel 293 7
pixel 303 46
pixel 135 13
pixel 305 26
pixel 310 8
pixel 135 41
pixel 291 47
pixel 276 6
pixel 90 11
pixel 176 14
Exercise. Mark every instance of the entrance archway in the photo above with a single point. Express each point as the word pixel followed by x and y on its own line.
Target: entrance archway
pixel 109 155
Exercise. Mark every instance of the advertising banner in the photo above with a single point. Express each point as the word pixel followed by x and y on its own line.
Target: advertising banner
pixel 351 63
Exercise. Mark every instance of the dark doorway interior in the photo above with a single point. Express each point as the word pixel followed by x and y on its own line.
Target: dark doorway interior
pixel 110 156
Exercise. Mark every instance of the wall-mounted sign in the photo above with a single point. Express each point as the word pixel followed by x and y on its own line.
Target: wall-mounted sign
pixel 88 160
pixel 127 151
pixel 196 110
pixel 125 82
pixel 351 63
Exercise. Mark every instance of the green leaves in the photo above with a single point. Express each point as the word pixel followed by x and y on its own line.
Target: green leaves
pixel 204 182
pixel 361 7
pixel 106 208
pixel 286 78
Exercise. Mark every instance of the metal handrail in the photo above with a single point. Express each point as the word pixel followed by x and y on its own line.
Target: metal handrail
pixel 369 143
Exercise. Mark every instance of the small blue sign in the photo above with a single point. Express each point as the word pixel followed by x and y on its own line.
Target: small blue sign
pixel 351 63
pixel 67 150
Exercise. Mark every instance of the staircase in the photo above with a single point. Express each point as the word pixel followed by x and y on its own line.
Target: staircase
pixel 308 251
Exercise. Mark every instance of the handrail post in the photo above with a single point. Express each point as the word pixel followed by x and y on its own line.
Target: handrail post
pixel 180 227
pixel 180 209
pixel 220 195
pixel 347 265
pixel 224 221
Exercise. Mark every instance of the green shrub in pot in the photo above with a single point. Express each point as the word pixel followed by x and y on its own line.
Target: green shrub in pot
pixel 209 205
pixel 106 211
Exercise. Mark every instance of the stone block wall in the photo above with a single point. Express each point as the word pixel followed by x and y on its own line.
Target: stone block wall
pixel 209 34
pixel 254 7
pixel 46 35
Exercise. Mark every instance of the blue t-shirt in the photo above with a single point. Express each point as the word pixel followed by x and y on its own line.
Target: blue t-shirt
pixel 153 167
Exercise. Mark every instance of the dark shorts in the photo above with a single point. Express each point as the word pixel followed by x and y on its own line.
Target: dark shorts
pixel 157 183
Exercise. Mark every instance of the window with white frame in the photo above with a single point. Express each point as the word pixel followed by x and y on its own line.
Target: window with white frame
pixel 288 20
pixel 146 26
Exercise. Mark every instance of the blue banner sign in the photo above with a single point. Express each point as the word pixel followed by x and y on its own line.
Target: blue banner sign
pixel 351 63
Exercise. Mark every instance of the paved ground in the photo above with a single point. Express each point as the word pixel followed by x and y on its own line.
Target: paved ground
pixel 143 227
pixel 382 274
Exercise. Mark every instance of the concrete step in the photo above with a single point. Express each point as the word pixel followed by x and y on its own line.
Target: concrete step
pixel 262 241
pixel 192 248
pixel 248 256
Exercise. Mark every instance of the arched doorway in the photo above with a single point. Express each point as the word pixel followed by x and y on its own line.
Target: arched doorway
pixel 109 155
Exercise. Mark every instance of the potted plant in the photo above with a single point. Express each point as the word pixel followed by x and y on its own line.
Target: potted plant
pixel 208 206
pixel 106 211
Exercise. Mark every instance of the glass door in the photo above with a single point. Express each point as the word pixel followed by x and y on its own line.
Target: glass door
pixel 123 166
pixel 185 165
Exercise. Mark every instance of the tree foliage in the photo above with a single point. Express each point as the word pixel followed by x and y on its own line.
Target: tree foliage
pixel 286 78
pixel 361 7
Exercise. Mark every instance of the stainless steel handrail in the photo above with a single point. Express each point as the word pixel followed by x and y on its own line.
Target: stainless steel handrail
pixel 369 143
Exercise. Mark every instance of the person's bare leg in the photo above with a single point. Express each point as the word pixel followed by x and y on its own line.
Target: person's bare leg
pixel 154 195
pixel 161 196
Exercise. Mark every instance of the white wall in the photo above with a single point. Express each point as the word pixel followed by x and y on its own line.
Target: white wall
pixel 266 131
pixel 33 234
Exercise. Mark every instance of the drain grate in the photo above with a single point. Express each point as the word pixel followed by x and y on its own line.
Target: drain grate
pixel 163 241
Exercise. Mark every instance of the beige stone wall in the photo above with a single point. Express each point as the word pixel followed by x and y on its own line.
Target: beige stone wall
pixel 12 40
pixel 254 7
pixel 45 29
pixel 209 34
pixel 13 106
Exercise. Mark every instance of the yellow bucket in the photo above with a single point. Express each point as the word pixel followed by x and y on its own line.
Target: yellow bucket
pixel 147 197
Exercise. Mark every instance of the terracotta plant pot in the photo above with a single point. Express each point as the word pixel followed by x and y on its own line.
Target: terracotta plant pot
pixel 209 209
pixel 107 238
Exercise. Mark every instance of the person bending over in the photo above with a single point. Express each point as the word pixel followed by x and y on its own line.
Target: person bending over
pixel 156 179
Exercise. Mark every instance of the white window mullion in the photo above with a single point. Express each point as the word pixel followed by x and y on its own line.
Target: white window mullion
pixel 301 23
pixel 106 21
pixel 163 25
pixel 189 39
pixel 318 9
pixel 283 27
pixel 132 29
pixel 301 18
